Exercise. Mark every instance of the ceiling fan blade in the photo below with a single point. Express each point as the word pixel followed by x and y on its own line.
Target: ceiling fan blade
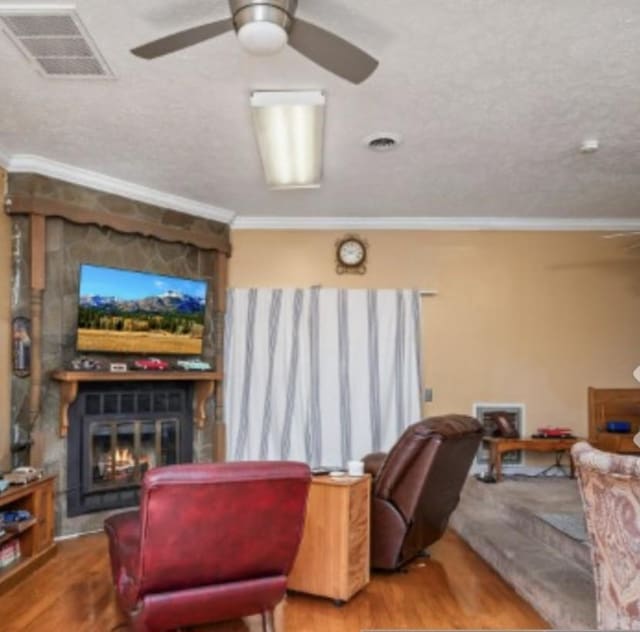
pixel 183 39
pixel 331 52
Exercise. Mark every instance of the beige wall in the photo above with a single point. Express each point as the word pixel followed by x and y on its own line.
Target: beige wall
pixel 519 316
pixel 5 346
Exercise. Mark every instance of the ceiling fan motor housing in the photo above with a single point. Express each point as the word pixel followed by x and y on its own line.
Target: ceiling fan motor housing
pixel 279 12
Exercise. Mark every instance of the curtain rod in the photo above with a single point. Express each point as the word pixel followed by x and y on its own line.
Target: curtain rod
pixel 318 286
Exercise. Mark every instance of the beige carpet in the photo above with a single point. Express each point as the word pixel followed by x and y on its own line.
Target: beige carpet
pixel 531 530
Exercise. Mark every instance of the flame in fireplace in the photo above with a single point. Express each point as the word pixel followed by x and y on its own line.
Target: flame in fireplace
pixel 124 458
pixel 122 463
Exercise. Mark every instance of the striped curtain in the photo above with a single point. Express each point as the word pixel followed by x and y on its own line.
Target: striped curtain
pixel 320 375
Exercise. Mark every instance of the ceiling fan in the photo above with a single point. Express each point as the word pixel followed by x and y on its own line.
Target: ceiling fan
pixel 264 27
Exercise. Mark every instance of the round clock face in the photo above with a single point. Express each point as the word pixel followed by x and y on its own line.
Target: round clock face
pixel 351 252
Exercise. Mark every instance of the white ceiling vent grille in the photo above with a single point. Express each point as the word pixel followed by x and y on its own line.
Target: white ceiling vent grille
pixel 55 40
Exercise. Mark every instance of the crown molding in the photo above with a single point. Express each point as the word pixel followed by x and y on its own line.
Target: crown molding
pixel 435 223
pixel 25 163
pixel 14 7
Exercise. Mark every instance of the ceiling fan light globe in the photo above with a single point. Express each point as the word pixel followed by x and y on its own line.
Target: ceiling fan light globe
pixel 262 38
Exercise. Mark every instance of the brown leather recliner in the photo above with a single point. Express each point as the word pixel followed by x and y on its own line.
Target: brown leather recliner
pixel 417 486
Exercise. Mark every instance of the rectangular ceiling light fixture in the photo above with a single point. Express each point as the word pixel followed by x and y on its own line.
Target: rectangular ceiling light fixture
pixel 289 128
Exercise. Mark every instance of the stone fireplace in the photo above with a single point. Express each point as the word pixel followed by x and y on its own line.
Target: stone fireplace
pixel 116 429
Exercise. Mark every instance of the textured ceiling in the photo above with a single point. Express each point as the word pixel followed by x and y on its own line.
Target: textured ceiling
pixel 492 98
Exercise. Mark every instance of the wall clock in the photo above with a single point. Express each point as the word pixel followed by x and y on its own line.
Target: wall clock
pixel 351 255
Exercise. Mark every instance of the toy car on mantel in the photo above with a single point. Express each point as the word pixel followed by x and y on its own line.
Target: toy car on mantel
pixel 193 365
pixel 151 364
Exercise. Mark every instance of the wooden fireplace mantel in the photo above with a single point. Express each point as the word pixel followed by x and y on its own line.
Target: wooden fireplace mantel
pixel 204 383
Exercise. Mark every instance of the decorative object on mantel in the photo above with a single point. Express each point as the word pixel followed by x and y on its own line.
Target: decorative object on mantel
pixel 150 364
pixel 118 367
pixel 351 255
pixel 21 346
pixel 84 363
pixel 193 365
pixel 636 373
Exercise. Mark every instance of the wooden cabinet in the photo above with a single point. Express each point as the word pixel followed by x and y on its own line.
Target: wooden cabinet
pixel 36 535
pixel 333 560
pixel 616 442
pixel 610 404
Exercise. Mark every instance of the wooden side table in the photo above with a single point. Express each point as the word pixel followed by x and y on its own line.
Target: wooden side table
pixel 333 559
pixel 499 445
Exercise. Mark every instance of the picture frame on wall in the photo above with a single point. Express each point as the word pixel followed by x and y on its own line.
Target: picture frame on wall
pixel 500 420
pixel 21 346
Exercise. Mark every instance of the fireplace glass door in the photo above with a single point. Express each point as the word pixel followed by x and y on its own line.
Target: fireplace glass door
pixel 120 452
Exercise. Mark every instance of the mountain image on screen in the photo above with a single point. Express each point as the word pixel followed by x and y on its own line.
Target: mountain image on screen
pixel 168 302
pixel 126 311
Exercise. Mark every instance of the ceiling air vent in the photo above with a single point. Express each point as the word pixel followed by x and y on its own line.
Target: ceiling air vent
pixel 382 141
pixel 56 40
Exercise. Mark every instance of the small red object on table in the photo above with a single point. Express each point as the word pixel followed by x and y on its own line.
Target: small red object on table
pixel 555 432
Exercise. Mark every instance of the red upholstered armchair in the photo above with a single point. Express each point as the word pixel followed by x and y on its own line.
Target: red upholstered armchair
pixel 210 543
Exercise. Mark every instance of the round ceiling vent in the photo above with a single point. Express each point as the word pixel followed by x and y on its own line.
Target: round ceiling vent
pixel 383 141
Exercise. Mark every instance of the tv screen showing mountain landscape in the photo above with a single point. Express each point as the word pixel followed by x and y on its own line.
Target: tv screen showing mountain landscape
pixel 124 311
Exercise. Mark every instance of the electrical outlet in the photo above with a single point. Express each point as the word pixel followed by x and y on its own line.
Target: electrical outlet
pixel 428 394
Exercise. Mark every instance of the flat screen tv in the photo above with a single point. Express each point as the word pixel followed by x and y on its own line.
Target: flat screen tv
pixel 124 311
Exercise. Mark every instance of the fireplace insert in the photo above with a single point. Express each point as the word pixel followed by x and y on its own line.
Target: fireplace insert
pixel 117 432
pixel 120 452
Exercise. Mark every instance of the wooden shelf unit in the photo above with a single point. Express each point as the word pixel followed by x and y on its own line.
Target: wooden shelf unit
pixel 36 536
pixel 614 404
pixel 204 382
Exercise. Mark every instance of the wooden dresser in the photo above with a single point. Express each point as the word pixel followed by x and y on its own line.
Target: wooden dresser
pixel 614 404
pixel 333 559
pixel 35 536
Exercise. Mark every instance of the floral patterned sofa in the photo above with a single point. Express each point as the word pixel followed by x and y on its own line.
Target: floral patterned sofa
pixel 610 488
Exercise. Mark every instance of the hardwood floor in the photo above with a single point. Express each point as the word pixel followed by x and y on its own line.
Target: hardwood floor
pixel 452 589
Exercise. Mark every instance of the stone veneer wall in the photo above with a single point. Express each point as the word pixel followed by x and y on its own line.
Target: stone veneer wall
pixel 67 246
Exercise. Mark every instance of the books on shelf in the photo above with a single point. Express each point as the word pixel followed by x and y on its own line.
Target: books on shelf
pixel 9 553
